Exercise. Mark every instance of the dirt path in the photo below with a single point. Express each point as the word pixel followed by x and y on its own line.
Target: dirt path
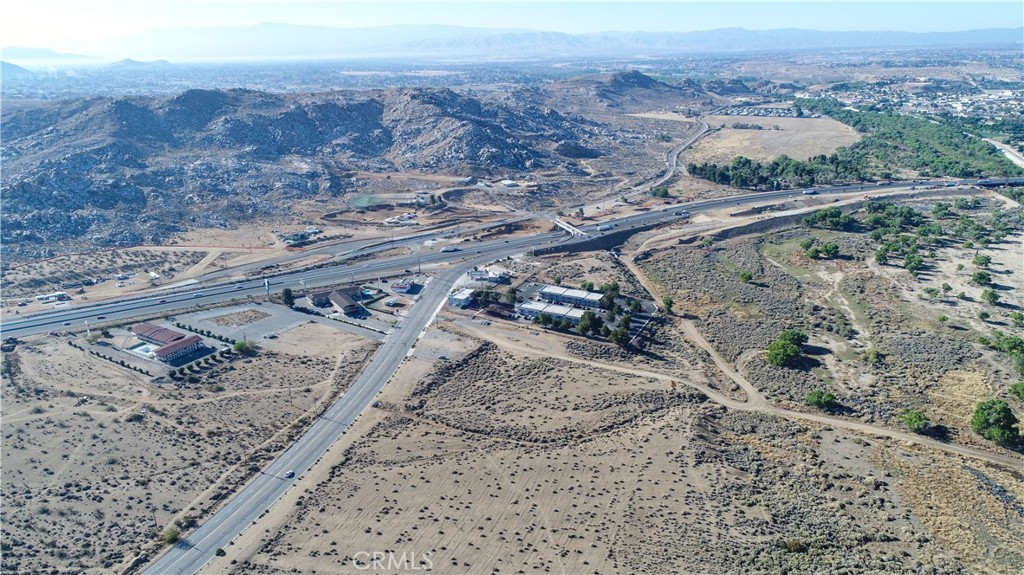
pixel 757 402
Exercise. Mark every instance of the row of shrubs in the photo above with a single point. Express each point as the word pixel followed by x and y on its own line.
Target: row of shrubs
pixel 120 362
pixel 198 366
pixel 205 333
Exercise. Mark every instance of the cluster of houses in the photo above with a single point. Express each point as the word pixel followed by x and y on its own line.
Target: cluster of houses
pixel 759 111
pixel 173 344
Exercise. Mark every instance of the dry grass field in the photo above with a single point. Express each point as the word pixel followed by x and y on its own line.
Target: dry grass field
pixel 98 460
pixel 46 276
pixel 506 460
pixel 798 138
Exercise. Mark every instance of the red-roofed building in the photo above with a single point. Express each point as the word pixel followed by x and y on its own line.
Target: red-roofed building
pixel 155 334
pixel 180 348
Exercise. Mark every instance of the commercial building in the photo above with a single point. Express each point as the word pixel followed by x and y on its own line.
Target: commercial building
pixel 180 348
pixel 461 298
pixel 403 286
pixel 155 334
pixel 340 299
pixel 563 295
pixel 487 277
pixel 55 296
pixel 532 309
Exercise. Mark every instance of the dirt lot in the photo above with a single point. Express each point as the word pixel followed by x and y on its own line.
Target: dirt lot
pixel 47 276
pixel 98 461
pixel 507 460
pixel 798 138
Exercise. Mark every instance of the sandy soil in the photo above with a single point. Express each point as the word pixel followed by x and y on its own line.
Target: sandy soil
pixel 798 138
pixel 26 281
pixel 499 460
pixel 98 458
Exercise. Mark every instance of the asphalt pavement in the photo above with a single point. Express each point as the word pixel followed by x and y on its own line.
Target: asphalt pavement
pixel 190 554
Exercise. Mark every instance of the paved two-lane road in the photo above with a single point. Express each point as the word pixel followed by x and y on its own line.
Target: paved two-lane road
pixel 190 554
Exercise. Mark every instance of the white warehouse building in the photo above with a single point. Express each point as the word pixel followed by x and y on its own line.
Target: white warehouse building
pixel 583 298
pixel 532 309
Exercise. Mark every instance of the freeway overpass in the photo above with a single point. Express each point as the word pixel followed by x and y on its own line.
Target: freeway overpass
pixel 205 294
pixel 264 489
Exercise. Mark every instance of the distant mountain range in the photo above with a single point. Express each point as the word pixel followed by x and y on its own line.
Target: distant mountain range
pixel 285 41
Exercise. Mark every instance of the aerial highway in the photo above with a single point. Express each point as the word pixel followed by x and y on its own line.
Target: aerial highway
pixel 189 555
pixel 74 317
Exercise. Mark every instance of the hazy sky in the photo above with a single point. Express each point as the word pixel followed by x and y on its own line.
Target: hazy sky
pixel 73 24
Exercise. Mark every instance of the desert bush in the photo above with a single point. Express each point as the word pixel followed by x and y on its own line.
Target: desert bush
pixel 915 420
pixel 821 399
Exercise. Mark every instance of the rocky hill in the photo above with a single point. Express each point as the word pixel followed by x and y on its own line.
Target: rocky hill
pixel 630 91
pixel 120 171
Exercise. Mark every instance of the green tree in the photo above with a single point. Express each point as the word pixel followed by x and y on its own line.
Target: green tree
pixel 981 261
pixel 1017 390
pixel 587 285
pixel 830 250
pixel 946 288
pixel 806 244
pixel 1017 318
pixel 287 297
pixel 793 336
pixel 912 263
pixel 990 296
pixel 668 302
pixel 243 346
pixel 821 399
pixel 930 292
pixel 915 420
pixel 982 278
pixel 782 353
pixel 587 322
pixel 511 294
pixel 171 535
pixel 745 277
pixel 813 253
pixel 984 315
pixel 994 421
